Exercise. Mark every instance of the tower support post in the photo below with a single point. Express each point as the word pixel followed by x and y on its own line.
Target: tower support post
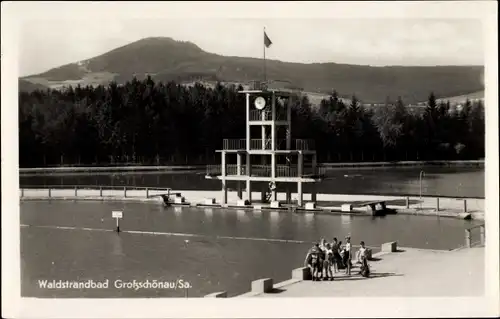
pixel 300 195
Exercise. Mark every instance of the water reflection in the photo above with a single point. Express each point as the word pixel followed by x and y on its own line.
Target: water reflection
pixel 274 217
pixel 209 212
pixel 346 221
pixel 117 245
pixel 178 211
pixel 241 216
pixel 308 218
pixel 257 212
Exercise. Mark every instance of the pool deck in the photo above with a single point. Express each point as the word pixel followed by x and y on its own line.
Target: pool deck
pixel 407 273
pixel 326 203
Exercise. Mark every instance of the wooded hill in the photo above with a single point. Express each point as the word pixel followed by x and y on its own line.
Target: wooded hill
pixel 165 59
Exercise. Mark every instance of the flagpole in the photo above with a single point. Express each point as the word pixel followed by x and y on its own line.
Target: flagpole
pixel 264 42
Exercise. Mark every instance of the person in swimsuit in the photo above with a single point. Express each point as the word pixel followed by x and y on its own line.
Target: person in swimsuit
pixel 362 258
pixel 327 264
pixel 347 255
pixel 313 261
pixel 341 254
pixel 361 254
pixel 322 247
pixel 336 259
pixel 322 244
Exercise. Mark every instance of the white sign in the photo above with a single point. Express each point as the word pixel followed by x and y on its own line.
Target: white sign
pixel 117 214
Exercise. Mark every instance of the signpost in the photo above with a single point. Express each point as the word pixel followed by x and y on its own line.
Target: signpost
pixel 117 215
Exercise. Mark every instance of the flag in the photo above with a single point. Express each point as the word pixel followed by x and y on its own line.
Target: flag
pixel 267 41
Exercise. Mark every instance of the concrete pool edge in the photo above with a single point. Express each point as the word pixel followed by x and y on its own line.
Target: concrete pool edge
pixel 449 208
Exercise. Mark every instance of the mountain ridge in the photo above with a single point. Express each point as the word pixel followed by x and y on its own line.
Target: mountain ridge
pixel 166 59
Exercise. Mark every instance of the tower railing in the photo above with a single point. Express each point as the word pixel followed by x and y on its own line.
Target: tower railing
pixel 214 170
pixel 256 144
pixel 234 144
pixel 259 144
pixel 304 145
pixel 266 170
pixel 266 115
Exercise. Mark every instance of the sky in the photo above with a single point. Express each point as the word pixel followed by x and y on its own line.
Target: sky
pixel 46 43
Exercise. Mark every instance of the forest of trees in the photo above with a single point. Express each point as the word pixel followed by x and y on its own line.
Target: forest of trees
pixel 147 123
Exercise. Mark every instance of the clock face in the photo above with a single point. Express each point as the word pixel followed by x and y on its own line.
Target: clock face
pixel 260 103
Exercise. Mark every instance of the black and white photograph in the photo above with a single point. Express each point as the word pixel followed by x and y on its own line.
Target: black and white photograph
pixel 250 159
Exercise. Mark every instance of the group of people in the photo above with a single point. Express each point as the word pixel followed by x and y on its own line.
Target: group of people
pixel 322 257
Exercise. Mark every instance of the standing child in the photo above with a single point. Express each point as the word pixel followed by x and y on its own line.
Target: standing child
pixel 322 256
pixel 312 261
pixel 341 255
pixel 347 255
pixel 336 256
pixel 327 265
pixel 362 258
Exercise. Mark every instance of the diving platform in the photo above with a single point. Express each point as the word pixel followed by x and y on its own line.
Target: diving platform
pixel 264 173
pixel 281 146
pixel 273 158
pixel 267 179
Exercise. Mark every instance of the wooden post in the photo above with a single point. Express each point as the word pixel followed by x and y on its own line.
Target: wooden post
pixel 240 189
pixel 483 238
pixel 238 163
pixel 300 194
pixel 300 165
pixel 247 97
pixel 76 191
pixel 249 190
pixel 100 191
pixel 407 202
pixel 50 192
pixel 124 191
pixel 465 205
pixel 263 193
pixel 224 191
pixel 273 126
pixel 223 180
pixel 288 195
pixel 468 243
pixel 147 192
pixel 314 193
pixel 437 204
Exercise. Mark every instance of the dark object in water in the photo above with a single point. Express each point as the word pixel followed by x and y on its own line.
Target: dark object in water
pixel 384 212
pixel 379 213
pixel 166 200
pixel 378 208
pixel 390 211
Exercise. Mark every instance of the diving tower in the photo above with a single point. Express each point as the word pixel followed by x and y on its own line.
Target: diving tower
pixel 268 155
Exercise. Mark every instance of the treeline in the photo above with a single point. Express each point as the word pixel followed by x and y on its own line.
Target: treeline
pixel 147 123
